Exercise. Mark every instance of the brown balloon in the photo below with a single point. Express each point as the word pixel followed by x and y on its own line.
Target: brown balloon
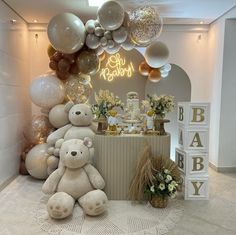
pixel 23 170
pixel 88 62
pixel 144 68
pixel 50 51
pixel 63 66
pixel 154 75
pixel 74 69
pixel 57 56
pixel 70 57
pixel 61 75
pixel 53 65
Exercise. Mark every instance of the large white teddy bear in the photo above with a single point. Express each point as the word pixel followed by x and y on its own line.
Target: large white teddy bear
pixel 75 180
pixel 80 117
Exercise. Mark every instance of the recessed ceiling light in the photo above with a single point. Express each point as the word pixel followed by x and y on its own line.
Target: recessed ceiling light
pixel 96 3
pixel 201 22
pixel 13 21
pixel 35 21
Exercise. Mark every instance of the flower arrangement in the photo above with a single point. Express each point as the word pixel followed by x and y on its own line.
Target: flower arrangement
pixel 159 104
pixel 164 184
pixel 156 179
pixel 105 101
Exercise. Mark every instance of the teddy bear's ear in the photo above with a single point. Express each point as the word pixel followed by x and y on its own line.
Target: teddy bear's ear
pixel 88 142
pixel 68 106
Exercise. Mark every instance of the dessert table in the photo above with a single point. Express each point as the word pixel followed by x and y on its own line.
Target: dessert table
pixel 116 159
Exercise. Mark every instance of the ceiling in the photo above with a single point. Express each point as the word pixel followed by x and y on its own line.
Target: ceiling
pixel 172 11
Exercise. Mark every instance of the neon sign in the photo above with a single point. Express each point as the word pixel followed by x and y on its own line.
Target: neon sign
pixel 115 67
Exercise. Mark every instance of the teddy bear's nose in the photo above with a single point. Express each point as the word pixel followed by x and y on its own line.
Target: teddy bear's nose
pixel 78 113
pixel 73 153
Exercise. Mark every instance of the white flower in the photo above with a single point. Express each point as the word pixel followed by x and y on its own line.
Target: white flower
pixel 166 171
pixel 174 183
pixel 170 187
pixel 173 195
pixel 161 186
pixel 168 178
pixel 152 189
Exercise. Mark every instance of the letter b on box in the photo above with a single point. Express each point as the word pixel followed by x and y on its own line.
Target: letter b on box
pixel 193 114
pixel 192 163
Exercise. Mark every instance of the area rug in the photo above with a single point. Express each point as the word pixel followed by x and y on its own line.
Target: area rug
pixel 23 211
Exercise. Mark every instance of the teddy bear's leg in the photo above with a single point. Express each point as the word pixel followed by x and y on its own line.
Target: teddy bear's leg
pixel 94 202
pixel 60 205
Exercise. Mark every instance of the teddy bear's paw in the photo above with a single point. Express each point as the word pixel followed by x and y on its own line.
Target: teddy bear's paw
pixel 94 203
pixel 60 205
pixel 56 152
pixel 50 150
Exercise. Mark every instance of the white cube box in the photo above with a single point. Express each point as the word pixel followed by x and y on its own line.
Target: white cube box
pixel 194 114
pixel 193 139
pixel 191 163
pixel 196 188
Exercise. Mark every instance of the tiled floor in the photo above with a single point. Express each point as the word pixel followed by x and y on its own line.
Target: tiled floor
pixel 216 216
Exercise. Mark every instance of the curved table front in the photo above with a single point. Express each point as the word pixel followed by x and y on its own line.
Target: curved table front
pixel 116 159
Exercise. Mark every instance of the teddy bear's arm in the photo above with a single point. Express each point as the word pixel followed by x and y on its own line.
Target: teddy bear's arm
pixel 95 178
pixel 50 185
pixel 58 134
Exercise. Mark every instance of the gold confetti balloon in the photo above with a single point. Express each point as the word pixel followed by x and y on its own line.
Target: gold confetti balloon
pixel 145 25
pixel 77 90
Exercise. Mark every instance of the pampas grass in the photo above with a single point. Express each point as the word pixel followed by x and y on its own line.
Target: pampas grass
pixel 146 170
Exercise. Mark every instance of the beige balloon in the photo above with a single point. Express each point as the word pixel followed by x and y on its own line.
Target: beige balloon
pixel 111 15
pixel 120 35
pixel 36 161
pixel 156 54
pixel 66 32
pixel 58 117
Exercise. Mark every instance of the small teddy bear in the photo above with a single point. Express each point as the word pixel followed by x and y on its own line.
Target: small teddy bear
pixel 80 117
pixel 75 180
pixel 112 120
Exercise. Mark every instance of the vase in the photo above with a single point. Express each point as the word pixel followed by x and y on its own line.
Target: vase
pixel 159 201
pixel 102 125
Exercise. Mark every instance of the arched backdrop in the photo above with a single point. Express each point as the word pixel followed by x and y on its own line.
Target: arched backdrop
pixel 177 84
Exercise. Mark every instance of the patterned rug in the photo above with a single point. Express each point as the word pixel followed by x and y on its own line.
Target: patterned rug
pixel 23 209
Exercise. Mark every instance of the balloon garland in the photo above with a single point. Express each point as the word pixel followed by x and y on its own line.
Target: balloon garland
pixel 76 50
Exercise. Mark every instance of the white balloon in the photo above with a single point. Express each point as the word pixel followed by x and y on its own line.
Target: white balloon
pixel 58 117
pixel 36 161
pixel 156 54
pixel 120 35
pixel 110 43
pixel 66 33
pixel 99 50
pixel 113 50
pixel 108 35
pixel 92 41
pixel 47 91
pixel 103 41
pixel 167 67
pixel 164 74
pixel 128 45
pixel 111 15
pixel 99 31
pixel 90 26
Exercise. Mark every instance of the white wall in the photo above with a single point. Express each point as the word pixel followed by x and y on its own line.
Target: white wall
pixel 227 146
pixel 14 100
pixel 216 46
